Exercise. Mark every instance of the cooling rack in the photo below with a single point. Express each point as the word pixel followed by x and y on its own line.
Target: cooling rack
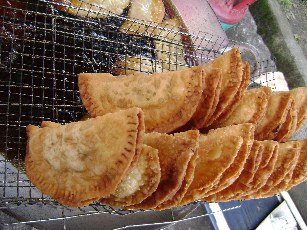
pixel 42 49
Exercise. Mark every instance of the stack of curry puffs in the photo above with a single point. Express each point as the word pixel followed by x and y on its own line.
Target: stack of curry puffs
pixel 170 138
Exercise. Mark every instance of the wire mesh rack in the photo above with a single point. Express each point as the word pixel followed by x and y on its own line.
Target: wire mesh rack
pixel 43 46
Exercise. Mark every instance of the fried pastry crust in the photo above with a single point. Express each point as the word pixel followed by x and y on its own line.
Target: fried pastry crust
pixel 300 98
pixel 175 154
pixel 216 154
pixel 140 183
pixel 231 67
pixel 288 127
pixel 267 165
pixel 246 131
pixel 209 99
pixel 167 99
pixel 189 175
pixel 251 108
pixel 236 98
pixel 275 116
pixel 79 162
pixel 95 8
pixel 146 12
pixel 288 154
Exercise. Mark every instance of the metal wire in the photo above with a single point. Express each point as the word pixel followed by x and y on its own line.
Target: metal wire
pixel 177 221
pixel 43 48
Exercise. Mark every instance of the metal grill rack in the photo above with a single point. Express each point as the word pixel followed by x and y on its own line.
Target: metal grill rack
pixel 43 48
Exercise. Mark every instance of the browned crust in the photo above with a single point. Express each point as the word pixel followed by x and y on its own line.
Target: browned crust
pixel 182 116
pixel 268 93
pixel 288 127
pixel 249 172
pixel 300 97
pixel 237 166
pixel 234 191
pixel 282 168
pixel 107 183
pixel 264 172
pixel 270 130
pixel 236 99
pixel 139 143
pixel 209 172
pixel 233 84
pixel 185 113
pixel 293 126
pixel 49 124
pixel 188 178
pixel 175 200
pixel 293 175
pixel 85 94
pixel 300 172
pixel 282 186
pixel 211 87
pixel 283 183
pixel 171 175
pixel 246 177
pixel 215 102
pixel 250 166
pixel 301 122
pixel 261 106
pixel 154 175
pixel 140 134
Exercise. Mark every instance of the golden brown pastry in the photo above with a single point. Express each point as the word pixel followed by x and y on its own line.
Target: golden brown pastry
pixel 95 8
pixel 288 127
pixel 252 163
pixel 288 154
pixel 141 182
pixel 300 171
pixel 300 98
pixel 275 116
pixel 234 102
pixel 189 175
pixel 251 108
pixel 136 65
pixel 267 165
pixel 175 154
pixel 231 67
pixel 246 131
pixel 216 154
pixel 167 99
pixel 82 161
pixel 209 99
pixel 141 14
pixel 169 48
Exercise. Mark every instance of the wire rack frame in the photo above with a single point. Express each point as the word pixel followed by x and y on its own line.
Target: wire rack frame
pixel 64 215
pixel 43 48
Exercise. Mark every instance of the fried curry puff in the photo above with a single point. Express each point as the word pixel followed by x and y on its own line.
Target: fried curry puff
pixel 141 182
pixel 166 139
pixel 94 8
pixel 168 99
pixel 80 162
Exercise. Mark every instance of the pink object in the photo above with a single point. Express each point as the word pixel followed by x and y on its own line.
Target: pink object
pixel 230 11
pixel 199 19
